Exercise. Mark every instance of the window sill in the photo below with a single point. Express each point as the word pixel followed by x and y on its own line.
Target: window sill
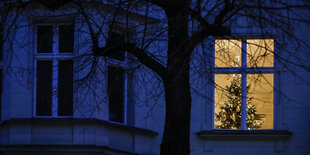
pixel 36 148
pixel 78 121
pixel 252 135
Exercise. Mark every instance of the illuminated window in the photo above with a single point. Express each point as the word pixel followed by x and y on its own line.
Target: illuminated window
pixel 54 70
pixel 243 94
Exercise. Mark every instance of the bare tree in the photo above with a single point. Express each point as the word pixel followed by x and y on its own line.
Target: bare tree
pixel 184 25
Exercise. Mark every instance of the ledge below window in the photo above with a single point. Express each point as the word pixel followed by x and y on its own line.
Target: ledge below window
pixel 37 149
pixel 78 121
pixel 263 135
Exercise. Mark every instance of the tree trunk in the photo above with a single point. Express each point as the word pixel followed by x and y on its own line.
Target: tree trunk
pixel 176 137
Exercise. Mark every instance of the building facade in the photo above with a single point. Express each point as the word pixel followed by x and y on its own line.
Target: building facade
pixel 60 97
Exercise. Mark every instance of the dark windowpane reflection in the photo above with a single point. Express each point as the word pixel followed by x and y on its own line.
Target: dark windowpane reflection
pixel 44 88
pixel 116 39
pixel 45 39
pixel 0 91
pixel 116 94
pixel 1 42
pixel 66 38
pixel 65 88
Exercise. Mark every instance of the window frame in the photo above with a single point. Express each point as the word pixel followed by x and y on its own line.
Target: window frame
pixel 243 70
pixel 1 67
pixel 123 64
pixel 55 56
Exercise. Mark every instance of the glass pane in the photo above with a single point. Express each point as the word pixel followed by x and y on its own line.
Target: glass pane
pixel 66 38
pixel 228 53
pixel 227 99
pixel 65 88
pixel 1 91
pixel 1 42
pixel 116 94
pixel 260 101
pixel 44 88
pixel 45 39
pixel 116 39
pixel 260 53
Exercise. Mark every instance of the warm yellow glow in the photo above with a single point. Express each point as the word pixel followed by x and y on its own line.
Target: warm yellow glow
pixel 227 53
pixel 260 52
pixel 222 81
pixel 261 90
pixel 259 101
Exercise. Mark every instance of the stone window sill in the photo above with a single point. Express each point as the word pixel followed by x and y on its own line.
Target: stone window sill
pixel 77 121
pixel 259 135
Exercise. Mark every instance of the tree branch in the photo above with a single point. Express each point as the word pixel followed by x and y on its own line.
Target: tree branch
pixel 160 3
pixel 139 53
pixel 215 29
pixel 228 6
pixel 92 32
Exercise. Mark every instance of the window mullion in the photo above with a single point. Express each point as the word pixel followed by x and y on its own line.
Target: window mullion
pixel 55 40
pixel 55 83
pixel 125 88
pixel 243 101
pixel 55 73
pixel 243 86
pixel 125 97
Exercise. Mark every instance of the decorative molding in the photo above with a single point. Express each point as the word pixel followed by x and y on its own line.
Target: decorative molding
pixel 77 121
pixel 60 19
pixel 62 148
pixel 245 36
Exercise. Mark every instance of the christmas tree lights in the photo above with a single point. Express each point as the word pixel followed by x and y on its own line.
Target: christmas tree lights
pixel 229 116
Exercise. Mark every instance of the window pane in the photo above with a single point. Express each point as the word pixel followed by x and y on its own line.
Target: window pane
pixel 260 101
pixel 66 38
pixel 65 88
pixel 260 53
pixel 44 88
pixel 227 99
pixel 1 91
pixel 45 39
pixel 227 53
pixel 116 94
pixel 1 42
pixel 116 39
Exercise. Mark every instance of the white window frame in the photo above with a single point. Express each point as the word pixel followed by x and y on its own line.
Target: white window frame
pixel 123 65
pixel 2 68
pixel 244 71
pixel 55 56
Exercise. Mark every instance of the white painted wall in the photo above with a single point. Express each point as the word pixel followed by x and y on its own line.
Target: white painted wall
pixel 17 102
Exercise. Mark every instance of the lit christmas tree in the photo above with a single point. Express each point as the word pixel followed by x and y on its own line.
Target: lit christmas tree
pixel 229 116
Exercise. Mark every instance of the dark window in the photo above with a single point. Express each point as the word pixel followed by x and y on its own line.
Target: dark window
pixel 44 88
pixel 1 42
pixel 116 39
pixel 45 39
pixel 66 38
pixel 116 94
pixel 65 88
pixel 54 97
pixel 1 92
